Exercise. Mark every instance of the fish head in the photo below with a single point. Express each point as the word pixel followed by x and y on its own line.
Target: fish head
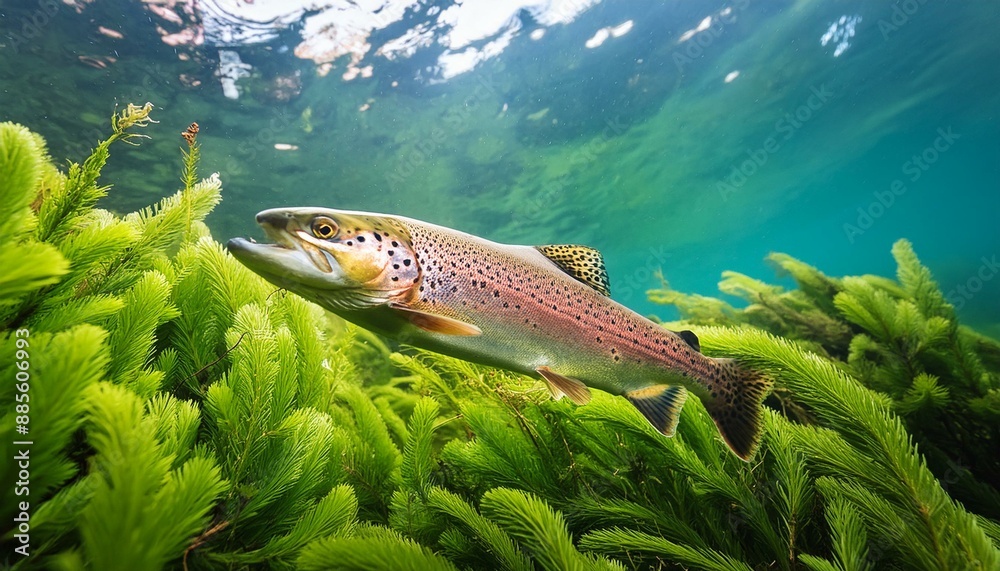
pixel 339 259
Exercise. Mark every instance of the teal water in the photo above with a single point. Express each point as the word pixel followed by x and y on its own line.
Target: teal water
pixel 638 146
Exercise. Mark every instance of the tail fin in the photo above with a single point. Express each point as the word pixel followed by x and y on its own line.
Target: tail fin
pixel 661 405
pixel 736 409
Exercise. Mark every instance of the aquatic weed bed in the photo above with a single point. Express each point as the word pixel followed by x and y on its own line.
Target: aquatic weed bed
pixel 181 413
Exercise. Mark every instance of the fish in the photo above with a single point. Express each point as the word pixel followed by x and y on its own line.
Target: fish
pixel 542 311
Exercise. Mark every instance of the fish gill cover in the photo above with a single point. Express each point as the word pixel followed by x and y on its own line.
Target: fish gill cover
pixel 173 411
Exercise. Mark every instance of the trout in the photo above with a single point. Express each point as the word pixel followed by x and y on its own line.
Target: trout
pixel 543 311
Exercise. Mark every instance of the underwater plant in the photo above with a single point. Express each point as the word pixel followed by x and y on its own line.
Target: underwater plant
pixel 182 414
pixel 899 338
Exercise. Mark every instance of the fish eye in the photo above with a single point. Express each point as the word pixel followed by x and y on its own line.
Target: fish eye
pixel 323 227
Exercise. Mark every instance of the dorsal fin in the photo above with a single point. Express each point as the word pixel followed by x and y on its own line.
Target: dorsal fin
pixel 583 263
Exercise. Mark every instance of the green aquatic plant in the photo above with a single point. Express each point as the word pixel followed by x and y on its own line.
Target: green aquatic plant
pixel 184 414
pixel 900 338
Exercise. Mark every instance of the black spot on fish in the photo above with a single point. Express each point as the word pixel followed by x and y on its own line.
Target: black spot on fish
pixel 406 262
pixel 361 239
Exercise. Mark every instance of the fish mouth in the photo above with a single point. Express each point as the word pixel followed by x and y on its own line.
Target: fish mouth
pixel 278 264
pixel 282 228
pixel 288 236
pixel 294 259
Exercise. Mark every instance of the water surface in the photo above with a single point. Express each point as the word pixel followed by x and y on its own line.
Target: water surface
pixel 698 140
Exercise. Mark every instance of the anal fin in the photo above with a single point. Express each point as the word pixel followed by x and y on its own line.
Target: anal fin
pixel 436 323
pixel 661 405
pixel 561 386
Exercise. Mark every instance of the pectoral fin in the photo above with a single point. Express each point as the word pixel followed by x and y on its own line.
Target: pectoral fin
pixel 564 386
pixel 436 323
